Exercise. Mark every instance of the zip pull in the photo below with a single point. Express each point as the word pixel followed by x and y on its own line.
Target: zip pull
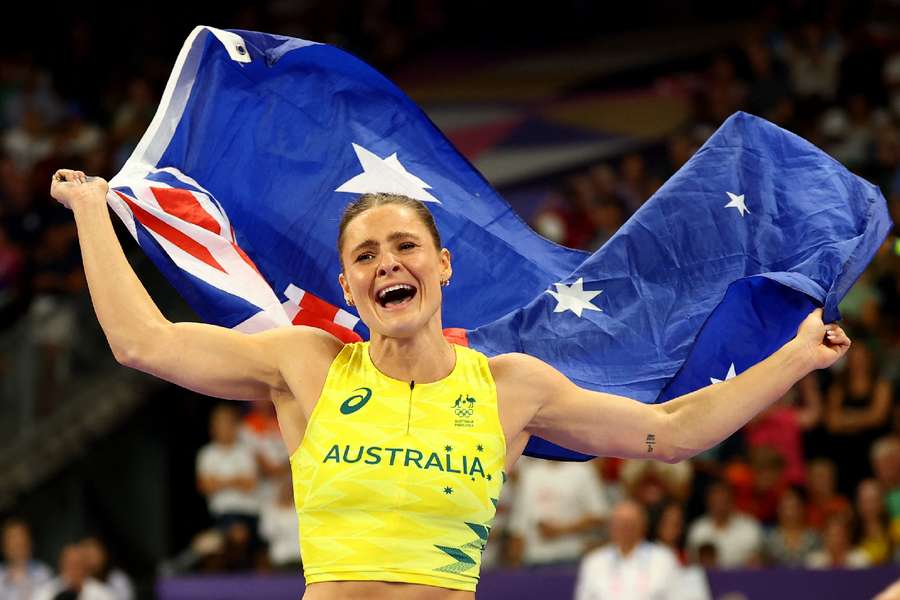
pixel 412 384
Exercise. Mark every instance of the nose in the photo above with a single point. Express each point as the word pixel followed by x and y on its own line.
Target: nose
pixel 388 264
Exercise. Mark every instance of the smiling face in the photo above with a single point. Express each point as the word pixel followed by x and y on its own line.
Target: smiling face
pixel 392 270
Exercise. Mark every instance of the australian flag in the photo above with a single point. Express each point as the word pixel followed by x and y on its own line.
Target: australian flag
pixel 260 141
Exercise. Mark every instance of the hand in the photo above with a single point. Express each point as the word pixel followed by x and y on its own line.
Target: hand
pixel 823 343
pixel 68 186
pixel 550 530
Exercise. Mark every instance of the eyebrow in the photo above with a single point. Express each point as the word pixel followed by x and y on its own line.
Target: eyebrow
pixel 395 235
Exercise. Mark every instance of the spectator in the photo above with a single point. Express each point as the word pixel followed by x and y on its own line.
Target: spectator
pixel 76 137
pixel 74 581
pixel 30 142
pixel 837 551
pixel 629 567
pixel 57 278
pixel 278 527
pixel 736 537
pixel 859 402
pixel 823 500
pixel 556 508
pixel 132 118
pixel 260 433
pixel 874 538
pixel 20 574
pixel 227 473
pixel 768 91
pixel 851 131
pixel 781 426
pixel 813 58
pixel 758 485
pixel 790 542
pixel 100 568
pixel 670 531
pixel 654 484
pixel 708 556
pixel 565 217
pixel 632 187
pixel 885 459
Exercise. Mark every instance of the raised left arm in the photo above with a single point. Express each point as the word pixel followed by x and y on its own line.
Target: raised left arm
pixel 608 425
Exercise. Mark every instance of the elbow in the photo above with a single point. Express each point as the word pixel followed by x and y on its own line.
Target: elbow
pixel 125 354
pixel 673 455
pixel 136 351
pixel 674 449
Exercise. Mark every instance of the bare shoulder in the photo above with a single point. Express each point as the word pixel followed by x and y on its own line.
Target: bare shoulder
pixel 522 370
pixel 524 380
pixel 524 384
pixel 303 355
pixel 302 341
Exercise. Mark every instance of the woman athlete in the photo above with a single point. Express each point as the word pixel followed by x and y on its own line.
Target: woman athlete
pixel 399 445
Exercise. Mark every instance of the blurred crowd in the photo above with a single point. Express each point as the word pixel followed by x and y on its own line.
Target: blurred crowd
pixel 84 570
pixel 813 481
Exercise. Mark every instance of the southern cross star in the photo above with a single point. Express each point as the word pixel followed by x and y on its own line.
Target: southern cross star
pixel 728 376
pixel 385 175
pixel 737 202
pixel 573 297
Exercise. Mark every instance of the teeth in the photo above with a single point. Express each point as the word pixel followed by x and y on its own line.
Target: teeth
pixel 393 287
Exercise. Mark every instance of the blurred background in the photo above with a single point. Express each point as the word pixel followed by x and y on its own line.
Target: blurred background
pixel 576 112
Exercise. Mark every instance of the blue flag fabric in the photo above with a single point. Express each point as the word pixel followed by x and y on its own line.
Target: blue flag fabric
pixel 711 275
pixel 260 141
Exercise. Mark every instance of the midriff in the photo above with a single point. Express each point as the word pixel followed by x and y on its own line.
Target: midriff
pixel 381 590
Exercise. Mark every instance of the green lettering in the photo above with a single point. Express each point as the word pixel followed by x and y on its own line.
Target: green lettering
pixel 434 461
pixel 358 455
pixel 393 452
pixel 333 454
pixel 410 459
pixel 376 458
pixel 476 468
pixel 450 468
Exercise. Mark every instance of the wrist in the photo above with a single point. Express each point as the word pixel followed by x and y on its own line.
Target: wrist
pixel 799 357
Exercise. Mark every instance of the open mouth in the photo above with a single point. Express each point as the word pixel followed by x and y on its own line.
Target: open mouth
pixel 396 296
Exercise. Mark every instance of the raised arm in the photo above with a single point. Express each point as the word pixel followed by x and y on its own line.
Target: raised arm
pixel 608 425
pixel 207 359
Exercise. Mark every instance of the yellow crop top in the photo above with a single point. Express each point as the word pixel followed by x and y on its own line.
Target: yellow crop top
pixel 399 481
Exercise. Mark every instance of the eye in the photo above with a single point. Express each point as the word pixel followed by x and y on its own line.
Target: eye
pixel 364 255
pixel 407 245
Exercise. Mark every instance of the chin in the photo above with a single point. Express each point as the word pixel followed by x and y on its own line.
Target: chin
pixel 399 325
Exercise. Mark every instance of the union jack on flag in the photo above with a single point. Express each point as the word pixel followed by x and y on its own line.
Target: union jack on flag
pixel 260 141
pixel 189 226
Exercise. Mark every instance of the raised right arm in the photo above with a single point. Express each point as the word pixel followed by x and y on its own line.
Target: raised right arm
pixel 211 360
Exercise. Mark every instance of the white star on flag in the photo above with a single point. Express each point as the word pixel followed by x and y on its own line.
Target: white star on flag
pixel 730 375
pixel 386 175
pixel 574 297
pixel 737 202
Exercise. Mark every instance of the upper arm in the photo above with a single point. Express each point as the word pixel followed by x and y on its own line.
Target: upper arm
pixel 225 363
pixel 583 420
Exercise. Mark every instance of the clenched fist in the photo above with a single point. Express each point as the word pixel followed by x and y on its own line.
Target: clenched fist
pixel 70 186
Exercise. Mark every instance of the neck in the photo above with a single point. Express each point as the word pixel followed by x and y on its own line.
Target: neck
pixel 793 526
pixel 626 549
pixel 17 564
pixel 425 357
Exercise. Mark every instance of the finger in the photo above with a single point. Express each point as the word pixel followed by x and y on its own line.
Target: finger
pixel 62 175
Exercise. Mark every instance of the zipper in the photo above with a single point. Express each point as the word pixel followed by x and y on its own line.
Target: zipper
pixel 412 384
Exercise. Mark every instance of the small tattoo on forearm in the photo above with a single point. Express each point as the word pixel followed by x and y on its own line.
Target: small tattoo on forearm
pixel 651 439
